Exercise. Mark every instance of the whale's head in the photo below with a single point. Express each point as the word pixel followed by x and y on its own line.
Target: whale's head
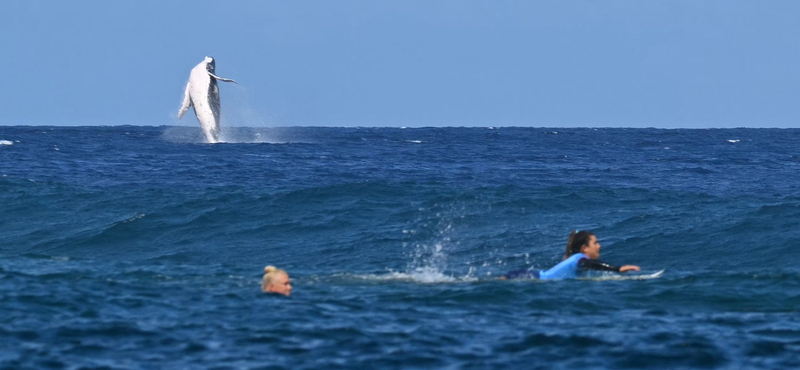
pixel 210 64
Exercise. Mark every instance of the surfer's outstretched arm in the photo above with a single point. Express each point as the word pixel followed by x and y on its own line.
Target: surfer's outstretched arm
pixel 221 79
pixel 590 264
pixel 187 102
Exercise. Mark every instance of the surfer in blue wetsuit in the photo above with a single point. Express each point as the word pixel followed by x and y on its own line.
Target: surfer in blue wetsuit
pixel 582 255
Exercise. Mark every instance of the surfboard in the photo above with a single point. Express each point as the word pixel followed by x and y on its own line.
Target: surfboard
pixel 654 275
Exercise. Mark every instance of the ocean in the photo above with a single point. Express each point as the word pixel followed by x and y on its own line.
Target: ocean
pixel 133 247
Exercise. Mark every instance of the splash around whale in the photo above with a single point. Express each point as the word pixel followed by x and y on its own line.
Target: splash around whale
pixel 202 93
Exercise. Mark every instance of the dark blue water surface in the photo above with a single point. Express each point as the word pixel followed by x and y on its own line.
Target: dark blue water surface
pixel 143 248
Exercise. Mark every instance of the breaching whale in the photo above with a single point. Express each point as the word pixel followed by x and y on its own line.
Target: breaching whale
pixel 202 93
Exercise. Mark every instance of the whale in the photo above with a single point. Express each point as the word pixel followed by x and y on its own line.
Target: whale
pixel 202 93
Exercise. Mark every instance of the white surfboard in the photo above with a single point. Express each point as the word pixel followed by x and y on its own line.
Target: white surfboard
pixel 654 275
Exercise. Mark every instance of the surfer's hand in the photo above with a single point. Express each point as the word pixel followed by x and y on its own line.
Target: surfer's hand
pixel 629 268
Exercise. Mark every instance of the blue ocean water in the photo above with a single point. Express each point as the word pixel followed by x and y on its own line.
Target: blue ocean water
pixel 142 248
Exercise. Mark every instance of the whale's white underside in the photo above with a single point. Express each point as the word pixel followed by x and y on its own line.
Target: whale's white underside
pixel 202 93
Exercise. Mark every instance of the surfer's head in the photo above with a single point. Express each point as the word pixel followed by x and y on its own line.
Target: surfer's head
pixel 276 281
pixel 582 242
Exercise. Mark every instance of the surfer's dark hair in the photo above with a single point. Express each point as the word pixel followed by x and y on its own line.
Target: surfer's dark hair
pixel 577 239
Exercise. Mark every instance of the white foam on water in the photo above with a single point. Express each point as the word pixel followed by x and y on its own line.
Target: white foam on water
pixel 428 262
pixel 414 141
pixel 428 257
pixel 134 218
pixel 229 135
pixel 6 142
pixel 425 277
pixel 244 136
pixel 734 141
pixel 420 275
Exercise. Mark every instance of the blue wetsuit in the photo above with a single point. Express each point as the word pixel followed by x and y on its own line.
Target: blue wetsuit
pixel 569 268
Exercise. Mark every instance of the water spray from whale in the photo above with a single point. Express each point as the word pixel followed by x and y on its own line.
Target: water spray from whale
pixel 202 93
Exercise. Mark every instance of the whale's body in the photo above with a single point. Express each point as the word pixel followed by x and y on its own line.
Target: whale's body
pixel 202 93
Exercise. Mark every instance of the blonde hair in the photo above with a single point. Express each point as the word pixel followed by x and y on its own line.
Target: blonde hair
pixel 269 274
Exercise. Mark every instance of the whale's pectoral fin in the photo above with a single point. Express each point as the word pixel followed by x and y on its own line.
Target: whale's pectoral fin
pixel 221 79
pixel 187 102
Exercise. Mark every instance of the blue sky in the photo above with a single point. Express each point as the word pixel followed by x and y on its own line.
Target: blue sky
pixel 406 63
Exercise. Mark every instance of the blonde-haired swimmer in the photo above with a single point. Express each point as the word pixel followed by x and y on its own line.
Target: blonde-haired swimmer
pixel 276 281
